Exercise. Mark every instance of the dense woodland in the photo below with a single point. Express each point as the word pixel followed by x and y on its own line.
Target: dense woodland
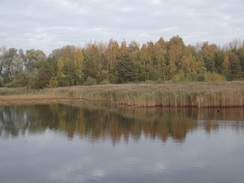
pixel 113 62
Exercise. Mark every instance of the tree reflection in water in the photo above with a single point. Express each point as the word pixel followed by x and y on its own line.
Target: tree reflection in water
pixel 101 122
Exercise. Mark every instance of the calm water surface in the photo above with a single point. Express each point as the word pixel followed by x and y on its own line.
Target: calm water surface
pixel 75 143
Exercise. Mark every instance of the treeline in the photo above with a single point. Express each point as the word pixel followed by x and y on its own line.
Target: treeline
pixel 113 62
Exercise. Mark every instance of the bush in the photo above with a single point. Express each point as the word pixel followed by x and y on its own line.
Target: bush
pixel 213 76
pixel 90 81
pixel 19 81
pixel 201 77
pixel 160 81
pixel 180 76
pixel 210 76
pixel 53 83
pixel 1 81
pixel 65 81
pixel 104 82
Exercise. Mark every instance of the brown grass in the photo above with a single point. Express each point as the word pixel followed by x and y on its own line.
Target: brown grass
pixel 31 99
pixel 198 94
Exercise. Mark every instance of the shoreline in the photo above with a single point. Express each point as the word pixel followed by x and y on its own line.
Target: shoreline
pixel 195 94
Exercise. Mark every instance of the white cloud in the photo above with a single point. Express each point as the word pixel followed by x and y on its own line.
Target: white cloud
pixel 47 24
pixel 127 9
pixel 156 2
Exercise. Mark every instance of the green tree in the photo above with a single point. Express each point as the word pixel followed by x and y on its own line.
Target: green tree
pixel 33 59
pixel 235 66
pixel 11 64
pixel 92 60
pixel 46 72
pixel 8 61
pixel 208 54
pixel 240 53
pixel 125 70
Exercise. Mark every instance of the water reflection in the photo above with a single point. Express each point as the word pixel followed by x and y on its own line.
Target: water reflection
pixel 98 122
pixel 99 143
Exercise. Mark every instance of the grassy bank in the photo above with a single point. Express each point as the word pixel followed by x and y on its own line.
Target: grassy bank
pixel 198 94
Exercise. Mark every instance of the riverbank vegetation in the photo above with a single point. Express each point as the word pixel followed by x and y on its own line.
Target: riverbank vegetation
pixel 192 94
pixel 195 94
pixel 116 63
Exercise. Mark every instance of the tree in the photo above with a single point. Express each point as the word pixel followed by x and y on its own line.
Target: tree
pixel 9 58
pixel 175 53
pixel 208 53
pixel 33 59
pixel 159 59
pixel 235 66
pixel 65 65
pixel 11 64
pixel 3 51
pixel 46 72
pixel 111 54
pixel 125 70
pixel 134 49
pixel 225 64
pixel 123 50
pixel 200 64
pixel 92 60
pixel 240 53
pixel 78 67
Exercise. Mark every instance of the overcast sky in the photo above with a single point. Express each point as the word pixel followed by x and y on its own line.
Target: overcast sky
pixel 50 24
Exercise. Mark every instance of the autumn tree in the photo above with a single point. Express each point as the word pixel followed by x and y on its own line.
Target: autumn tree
pixel 78 67
pixel 92 60
pixel 115 62
pixel 175 53
pixel 134 51
pixel 66 67
pixel 111 54
pixel 225 66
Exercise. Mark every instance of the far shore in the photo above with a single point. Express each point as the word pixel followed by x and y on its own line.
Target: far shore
pixel 196 94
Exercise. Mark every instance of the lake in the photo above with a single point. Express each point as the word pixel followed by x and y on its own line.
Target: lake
pixel 76 143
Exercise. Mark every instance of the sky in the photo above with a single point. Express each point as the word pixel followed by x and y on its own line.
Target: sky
pixel 51 24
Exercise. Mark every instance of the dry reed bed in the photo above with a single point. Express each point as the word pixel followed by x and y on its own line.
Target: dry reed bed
pixel 29 99
pixel 199 94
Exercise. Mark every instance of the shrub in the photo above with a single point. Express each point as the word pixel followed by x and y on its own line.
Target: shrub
pixel 201 77
pixel 213 76
pixel 65 81
pixel 1 81
pixel 104 82
pixel 53 83
pixel 90 81
pixel 180 76
pixel 19 81
pixel 160 81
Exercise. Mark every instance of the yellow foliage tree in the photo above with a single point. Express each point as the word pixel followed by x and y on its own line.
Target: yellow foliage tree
pixel 78 63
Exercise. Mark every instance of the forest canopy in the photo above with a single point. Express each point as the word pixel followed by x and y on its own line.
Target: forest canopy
pixel 113 62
